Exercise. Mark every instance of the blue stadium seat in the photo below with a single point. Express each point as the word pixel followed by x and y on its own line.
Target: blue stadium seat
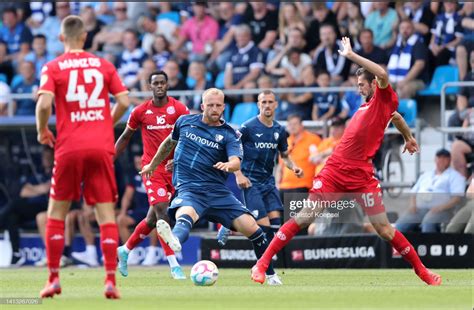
pixel 3 78
pixel 442 75
pixel 220 80
pixel 408 109
pixel 242 112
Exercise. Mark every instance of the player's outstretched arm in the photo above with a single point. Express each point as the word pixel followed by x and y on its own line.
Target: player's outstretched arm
pixel 410 142
pixel 291 165
pixel 43 112
pixel 232 165
pixel 165 149
pixel 123 141
pixel 119 109
pixel 379 72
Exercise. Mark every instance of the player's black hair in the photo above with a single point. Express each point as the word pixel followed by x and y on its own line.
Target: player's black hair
pixel 369 76
pixel 163 73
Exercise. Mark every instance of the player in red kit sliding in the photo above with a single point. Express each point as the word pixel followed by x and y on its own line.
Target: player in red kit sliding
pixel 80 84
pixel 349 169
pixel 155 118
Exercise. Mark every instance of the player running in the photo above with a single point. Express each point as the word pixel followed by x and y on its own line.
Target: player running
pixel 262 140
pixel 206 150
pixel 80 84
pixel 349 169
pixel 156 118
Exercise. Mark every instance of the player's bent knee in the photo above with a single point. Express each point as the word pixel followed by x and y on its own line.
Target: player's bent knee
pixel 246 225
pixel 189 211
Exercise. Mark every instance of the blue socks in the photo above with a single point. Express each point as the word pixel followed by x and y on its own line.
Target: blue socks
pixel 183 227
pixel 275 225
pixel 260 244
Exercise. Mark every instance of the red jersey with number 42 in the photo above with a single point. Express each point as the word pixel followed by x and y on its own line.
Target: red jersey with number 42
pixel 365 131
pixel 81 83
pixel 156 124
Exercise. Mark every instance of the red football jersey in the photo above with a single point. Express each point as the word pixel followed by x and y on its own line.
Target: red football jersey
pixel 81 83
pixel 365 131
pixel 156 124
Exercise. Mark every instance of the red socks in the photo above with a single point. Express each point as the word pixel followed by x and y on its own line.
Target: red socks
pixel 139 234
pixel 109 239
pixel 406 250
pixel 279 241
pixel 166 248
pixel 54 246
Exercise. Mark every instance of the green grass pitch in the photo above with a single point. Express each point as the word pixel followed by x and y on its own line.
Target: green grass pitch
pixel 152 288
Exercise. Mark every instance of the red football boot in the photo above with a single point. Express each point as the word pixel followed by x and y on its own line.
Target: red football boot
pixel 111 292
pixel 51 289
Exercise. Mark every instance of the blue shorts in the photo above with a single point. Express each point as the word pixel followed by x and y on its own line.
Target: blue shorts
pixel 262 199
pixel 218 206
pixel 137 214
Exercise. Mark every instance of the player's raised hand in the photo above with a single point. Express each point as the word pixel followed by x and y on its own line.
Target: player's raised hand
pixel 346 47
pixel 298 171
pixel 222 166
pixel 147 171
pixel 411 146
pixel 243 181
pixel 46 137
pixel 169 165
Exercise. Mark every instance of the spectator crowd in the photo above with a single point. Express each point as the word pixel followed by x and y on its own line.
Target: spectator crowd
pixel 233 45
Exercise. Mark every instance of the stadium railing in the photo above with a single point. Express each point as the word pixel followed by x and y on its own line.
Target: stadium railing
pixel 444 129
pixel 28 122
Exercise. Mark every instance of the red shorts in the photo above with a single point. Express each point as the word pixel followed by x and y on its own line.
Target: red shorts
pixel 93 169
pixel 159 187
pixel 352 179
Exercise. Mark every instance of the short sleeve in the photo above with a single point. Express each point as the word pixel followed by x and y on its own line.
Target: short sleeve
pixel 234 145
pixel 26 36
pixel 272 20
pixel 184 32
pixel 47 82
pixel 457 183
pixel 387 96
pixel 283 141
pixel 134 120
pixel 420 51
pixel 177 128
pixel 116 86
pixel 458 29
pixel 244 133
pixel 182 109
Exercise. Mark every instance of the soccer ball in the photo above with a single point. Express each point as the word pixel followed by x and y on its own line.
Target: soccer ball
pixel 204 273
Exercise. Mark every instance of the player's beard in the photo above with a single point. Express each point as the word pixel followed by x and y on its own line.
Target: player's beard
pixel 369 96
